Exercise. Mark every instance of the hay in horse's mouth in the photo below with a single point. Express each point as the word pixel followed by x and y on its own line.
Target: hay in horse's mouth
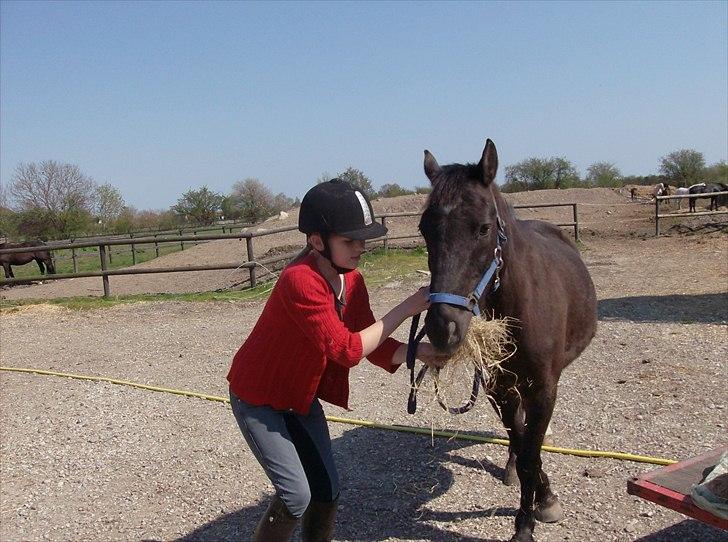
pixel 486 346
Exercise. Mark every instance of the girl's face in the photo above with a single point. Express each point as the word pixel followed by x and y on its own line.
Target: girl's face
pixel 345 252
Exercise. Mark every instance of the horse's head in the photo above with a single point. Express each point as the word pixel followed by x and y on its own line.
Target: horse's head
pixel 460 225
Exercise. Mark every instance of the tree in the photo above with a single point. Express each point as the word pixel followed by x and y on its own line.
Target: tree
pixel 541 173
pixel 604 174
pixel 360 181
pixel 392 190
pixel 52 186
pixel 324 177
pixel 717 173
pixel 199 206
pixel 683 167
pixel 126 221
pixel 281 202
pixel 253 199
pixel 109 204
pixel 566 174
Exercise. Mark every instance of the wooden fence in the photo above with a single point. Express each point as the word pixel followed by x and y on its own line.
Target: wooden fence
pixel 658 216
pixel 104 249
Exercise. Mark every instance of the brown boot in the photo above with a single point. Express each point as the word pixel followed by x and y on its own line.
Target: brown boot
pixel 277 524
pixel 318 522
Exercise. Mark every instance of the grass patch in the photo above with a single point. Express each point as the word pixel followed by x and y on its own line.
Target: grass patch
pixel 378 267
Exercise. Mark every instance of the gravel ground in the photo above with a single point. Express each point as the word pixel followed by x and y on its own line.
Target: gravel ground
pixel 95 461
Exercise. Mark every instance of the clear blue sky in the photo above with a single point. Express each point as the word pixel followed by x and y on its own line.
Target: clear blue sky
pixel 159 98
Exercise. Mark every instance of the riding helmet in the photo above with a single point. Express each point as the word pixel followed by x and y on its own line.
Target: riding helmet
pixel 338 207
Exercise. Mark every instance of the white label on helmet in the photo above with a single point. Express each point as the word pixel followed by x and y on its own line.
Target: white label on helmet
pixel 364 208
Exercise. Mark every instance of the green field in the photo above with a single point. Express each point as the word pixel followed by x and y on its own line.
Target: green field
pixel 378 267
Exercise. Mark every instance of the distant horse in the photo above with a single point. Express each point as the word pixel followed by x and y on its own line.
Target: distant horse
pixel 681 191
pixel 716 201
pixel 42 257
pixel 660 189
pixel 695 189
pixel 542 284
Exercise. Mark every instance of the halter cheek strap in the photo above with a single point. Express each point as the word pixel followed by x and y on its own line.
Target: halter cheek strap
pixel 472 301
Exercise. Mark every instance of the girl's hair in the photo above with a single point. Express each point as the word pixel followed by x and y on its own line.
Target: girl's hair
pixel 301 255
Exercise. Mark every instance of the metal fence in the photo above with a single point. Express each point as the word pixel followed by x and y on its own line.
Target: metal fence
pixel 104 249
pixel 659 199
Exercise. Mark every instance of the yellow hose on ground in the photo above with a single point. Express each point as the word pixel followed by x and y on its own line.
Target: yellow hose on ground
pixel 364 423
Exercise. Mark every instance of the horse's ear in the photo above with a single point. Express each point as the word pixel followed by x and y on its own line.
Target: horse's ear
pixel 489 162
pixel 432 168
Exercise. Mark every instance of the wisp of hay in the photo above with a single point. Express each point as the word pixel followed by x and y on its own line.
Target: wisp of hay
pixel 486 346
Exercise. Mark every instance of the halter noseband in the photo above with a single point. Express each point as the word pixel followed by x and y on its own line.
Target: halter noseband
pixel 470 303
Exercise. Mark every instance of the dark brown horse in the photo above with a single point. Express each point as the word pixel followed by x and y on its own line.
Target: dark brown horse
pixel 543 284
pixel 42 257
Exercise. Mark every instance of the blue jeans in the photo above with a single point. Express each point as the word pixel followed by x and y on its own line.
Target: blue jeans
pixel 294 451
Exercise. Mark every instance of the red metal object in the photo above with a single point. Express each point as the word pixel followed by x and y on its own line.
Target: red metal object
pixel 670 486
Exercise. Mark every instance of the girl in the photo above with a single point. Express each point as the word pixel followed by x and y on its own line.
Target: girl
pixel 316 325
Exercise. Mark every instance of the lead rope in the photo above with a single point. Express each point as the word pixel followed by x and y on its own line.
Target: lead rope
pixel 415 381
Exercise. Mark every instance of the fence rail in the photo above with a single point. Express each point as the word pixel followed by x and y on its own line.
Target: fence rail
pixel 104 245
pixel 658 199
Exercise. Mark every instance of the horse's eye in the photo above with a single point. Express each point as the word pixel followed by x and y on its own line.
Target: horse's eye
pixel 484 229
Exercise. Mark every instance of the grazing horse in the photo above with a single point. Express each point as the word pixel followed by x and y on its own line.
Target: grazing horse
pixel 42 257
pixel 542 284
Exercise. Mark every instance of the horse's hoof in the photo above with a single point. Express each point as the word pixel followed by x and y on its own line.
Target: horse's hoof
pixel 523 537
pixel 510 478
pixel 550 512
pixel 548 440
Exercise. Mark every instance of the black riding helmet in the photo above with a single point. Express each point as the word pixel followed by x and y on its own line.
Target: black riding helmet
pixel 338 207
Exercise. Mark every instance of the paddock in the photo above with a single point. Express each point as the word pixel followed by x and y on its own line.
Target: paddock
pixel 85 460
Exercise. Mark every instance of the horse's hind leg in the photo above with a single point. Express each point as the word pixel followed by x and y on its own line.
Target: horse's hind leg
pixel 40 265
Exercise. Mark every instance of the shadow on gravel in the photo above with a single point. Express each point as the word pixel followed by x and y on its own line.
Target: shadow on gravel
pixel 387 480
pixel 687 531
pixel 688 309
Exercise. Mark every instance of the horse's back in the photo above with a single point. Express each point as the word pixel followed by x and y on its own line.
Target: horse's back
pixel 565 288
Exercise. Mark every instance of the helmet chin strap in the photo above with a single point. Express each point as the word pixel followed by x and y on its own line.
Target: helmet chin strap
pixel 327 254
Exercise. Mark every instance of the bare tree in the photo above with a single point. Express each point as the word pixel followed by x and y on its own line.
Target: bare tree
pixel 52 186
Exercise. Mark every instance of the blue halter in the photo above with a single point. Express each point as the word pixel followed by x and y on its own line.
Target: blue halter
pixel 471 302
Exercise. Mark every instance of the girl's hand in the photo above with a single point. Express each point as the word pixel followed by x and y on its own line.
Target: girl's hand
pixel 427 354
pixel 417 302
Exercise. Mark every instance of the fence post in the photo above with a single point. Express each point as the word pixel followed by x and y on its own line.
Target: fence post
pixel 181 243
pixel 156 245
pixel 194 232
pixel 251 258
pixel 108 249
pixel 133 250
pixel 105 278
pixel 657 217
pixel 73 257
pixel 386 240
pixel 576 224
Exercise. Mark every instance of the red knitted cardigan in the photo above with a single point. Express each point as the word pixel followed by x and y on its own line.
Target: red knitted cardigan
pixel 300 348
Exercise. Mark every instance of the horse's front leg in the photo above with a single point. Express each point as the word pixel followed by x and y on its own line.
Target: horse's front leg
pixel 507 406
pixel 40 265
pixel 537 500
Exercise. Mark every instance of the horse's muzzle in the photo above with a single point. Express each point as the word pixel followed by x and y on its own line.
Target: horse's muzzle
pixel 446 326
